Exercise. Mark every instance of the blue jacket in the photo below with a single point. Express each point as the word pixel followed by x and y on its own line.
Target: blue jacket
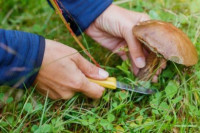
pixel 21 53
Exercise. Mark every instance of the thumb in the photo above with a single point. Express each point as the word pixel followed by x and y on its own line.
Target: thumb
pixel 92 90
pixel 89 69
pixel 135 49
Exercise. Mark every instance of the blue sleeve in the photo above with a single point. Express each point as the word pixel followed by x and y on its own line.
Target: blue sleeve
pixel 21 56
pixel 81 13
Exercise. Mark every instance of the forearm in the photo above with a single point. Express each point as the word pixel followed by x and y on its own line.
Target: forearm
pixel 21 55
pixel 81 13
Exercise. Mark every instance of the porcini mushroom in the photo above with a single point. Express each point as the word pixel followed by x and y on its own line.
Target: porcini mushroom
pixel 164 41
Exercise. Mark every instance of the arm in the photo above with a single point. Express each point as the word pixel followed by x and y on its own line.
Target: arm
pixel 54 68
pixel 109 25
pixel 81 13
pixel 21 55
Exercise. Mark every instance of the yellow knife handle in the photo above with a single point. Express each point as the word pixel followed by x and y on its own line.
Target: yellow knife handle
pixel 110 82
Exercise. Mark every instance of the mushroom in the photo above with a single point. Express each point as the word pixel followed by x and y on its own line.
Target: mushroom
pixel 164 42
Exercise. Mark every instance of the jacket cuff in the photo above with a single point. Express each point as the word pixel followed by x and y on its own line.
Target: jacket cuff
pixel 21 56
pixel 38 62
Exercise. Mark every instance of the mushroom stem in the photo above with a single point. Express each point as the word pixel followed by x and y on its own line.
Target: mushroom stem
pixel 153 63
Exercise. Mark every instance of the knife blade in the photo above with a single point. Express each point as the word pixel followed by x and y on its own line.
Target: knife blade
pixel 112 83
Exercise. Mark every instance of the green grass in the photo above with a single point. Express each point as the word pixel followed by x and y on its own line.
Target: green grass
pixel 175 108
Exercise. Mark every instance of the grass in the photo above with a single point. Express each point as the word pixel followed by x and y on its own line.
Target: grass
pixel 175 108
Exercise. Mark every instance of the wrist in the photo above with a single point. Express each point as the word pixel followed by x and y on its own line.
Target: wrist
pixel 103 19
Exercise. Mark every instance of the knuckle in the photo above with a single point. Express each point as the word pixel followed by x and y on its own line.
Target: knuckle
pixel 91 69
pixel 78 84
pixel 67 95
pixel 144 17
pixel 76 55
pixel 54 97
pixel 74 52
pixel 99 94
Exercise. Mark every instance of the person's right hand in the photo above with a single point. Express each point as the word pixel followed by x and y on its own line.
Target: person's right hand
pixel 63 73
pixel 113 30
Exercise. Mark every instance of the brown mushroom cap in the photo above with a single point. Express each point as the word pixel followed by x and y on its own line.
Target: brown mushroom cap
pixel 167 40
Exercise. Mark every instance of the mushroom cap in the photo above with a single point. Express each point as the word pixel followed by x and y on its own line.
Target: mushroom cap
pixel 165 39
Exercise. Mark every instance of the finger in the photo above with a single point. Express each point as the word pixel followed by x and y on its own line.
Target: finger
pixel 158 71
pixel 89 69
pixel 120 49
pixel 155 79
pixel 163 64
pixel 44 90
pixel 124 57
pixel 56 94
pixel 61 92
pixel 92 90
pixel 122 54
pixel 134 69
pixel 66 95
pixel 135 50
pixel 144 17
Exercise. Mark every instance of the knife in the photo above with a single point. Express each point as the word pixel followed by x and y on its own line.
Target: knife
pixel 112 83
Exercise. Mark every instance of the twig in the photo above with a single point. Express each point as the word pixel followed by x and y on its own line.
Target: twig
pixel 59 11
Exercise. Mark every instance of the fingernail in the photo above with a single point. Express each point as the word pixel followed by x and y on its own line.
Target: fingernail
pixel 140 62
pixel 103 73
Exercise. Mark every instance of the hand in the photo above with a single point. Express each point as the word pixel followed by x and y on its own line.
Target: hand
pixel 113 30
pixel 63 73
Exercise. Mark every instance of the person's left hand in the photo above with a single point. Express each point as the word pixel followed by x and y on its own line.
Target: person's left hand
pixel 113 30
